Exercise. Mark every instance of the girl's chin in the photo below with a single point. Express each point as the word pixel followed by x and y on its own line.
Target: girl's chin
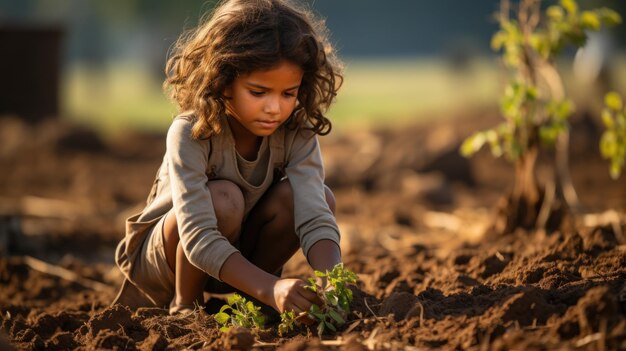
pixel 264 132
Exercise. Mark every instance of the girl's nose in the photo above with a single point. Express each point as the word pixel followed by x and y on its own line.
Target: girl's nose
pixel 272 106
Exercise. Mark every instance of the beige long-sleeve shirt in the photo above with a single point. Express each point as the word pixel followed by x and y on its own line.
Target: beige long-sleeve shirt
pixel 181 184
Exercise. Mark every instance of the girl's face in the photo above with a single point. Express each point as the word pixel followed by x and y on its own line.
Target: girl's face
pixel 261 101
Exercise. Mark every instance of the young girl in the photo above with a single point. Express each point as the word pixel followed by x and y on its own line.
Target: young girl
pixel 241 184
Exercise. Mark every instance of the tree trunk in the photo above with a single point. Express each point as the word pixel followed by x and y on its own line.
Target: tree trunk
pixel 528 207
pixel 525 201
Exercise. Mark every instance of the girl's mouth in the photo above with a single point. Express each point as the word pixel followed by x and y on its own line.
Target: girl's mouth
pixel 267 124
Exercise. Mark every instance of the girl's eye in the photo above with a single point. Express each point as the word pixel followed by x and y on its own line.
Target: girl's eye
pixel 256 93
pixel 289 94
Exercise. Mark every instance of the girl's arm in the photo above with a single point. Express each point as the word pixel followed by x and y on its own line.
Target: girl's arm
pixel 324 255
pixel 281 294
pixel 200 239
pixel 315 224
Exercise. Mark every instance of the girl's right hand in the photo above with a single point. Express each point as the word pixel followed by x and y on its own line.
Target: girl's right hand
pixel 291 294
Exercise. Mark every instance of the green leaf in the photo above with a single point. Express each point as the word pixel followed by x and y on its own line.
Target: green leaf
pixel 320 274
pixel 332 299
pixel 564 109
pixel 610 17
pixel 498 40
pixel 222 318
pixel 250 307
pixel 570 6
pixel 532 93
pixel 540 42
pixel 548 134
pixel 607 118
pixel 330 326
pixel 613 101
pixel 224 329
pixel 287 315
pixel 259 321
pixel 615 170
pixel 472 144
pixel 312 285
pixel 590 20
pixel 238 313
pixel 234 298
pixel 319 316
pixel 334 315
pixel 555 13
pixel 494 144
pixel 608 144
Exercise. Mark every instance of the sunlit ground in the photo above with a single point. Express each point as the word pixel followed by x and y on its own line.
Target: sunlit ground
pixel 385 92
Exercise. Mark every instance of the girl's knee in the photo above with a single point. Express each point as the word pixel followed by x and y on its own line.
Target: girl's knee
pixel 229 205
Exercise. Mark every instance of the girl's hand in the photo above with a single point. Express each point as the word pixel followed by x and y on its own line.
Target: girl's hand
pixel 291 294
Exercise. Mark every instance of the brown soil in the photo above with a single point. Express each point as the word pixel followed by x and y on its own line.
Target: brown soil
pixel 412 214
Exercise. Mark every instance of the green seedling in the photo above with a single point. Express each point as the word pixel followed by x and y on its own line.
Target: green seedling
pixel 336 297
pixel 613 140
pixel 287 322
pixel 243 313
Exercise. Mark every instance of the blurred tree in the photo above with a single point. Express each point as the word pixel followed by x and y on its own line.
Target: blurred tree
pixel 536 108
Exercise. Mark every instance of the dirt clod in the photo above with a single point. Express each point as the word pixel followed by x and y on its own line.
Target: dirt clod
pixel 239 338
pixel 398 304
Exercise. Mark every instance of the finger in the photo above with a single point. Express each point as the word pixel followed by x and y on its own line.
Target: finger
pixel 295 308
pixel 300 303
pixel 310 296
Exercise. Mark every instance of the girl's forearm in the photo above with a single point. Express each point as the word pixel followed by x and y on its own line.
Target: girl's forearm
pixel 241 274
pixel 324 255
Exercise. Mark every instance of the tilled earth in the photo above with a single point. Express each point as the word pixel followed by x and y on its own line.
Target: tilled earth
pixel 412 214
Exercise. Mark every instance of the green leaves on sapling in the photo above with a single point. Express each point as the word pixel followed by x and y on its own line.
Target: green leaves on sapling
pixel 613 140
pixel 557 114
pixel 243 313
pixel 287 322
pixel 534 112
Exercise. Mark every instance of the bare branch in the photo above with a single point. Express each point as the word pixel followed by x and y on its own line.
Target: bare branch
pixel 66 274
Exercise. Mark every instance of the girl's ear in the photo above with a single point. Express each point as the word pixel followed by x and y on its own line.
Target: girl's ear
pixel 228 92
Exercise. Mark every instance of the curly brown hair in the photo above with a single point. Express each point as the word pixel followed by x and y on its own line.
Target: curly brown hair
pixel 242 36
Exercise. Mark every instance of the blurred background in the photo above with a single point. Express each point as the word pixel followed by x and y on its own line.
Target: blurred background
pixel 101 62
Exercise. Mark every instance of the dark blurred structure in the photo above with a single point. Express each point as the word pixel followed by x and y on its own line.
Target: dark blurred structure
pixel 30 64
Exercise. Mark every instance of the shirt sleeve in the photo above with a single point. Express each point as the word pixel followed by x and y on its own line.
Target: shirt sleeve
pixel 204 246
pixel 313 219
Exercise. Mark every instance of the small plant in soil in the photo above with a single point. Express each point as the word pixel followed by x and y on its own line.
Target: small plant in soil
pixel 287 322
pixel 536 108
pixel 243 313
pixel 336 296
